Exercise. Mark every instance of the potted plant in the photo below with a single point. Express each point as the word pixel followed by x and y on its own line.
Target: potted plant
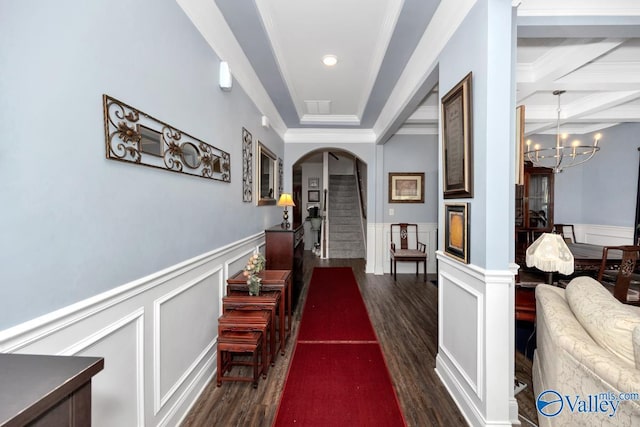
pixel 255 265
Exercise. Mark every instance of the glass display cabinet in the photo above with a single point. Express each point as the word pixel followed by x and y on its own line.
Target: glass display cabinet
pixel 534 207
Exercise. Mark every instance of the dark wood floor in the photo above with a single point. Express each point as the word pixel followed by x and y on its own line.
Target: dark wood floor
pixel 404 316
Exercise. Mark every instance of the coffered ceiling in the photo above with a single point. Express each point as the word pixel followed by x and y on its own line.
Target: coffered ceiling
pixel 589 49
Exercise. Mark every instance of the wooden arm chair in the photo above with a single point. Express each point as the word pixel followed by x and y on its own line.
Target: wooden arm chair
pixel 620 280
pixel 563 230
pixel 403 232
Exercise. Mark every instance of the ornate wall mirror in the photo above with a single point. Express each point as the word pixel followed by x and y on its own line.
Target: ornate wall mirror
pixel 135 137
pixel 266 176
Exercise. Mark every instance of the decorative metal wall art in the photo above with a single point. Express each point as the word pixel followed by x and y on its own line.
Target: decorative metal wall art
pixel 247 166
pixel 135 137
pixel 280 177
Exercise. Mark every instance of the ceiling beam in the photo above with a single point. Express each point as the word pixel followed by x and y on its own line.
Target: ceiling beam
pixel 560 61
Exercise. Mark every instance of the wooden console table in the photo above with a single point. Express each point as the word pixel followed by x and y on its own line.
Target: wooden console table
pixel 44 390
pixel 284 250
pixel 272 281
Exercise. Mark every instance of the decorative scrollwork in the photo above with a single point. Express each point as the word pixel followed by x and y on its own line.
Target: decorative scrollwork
pixel 280 177
pixel 247 166
pixel 136 137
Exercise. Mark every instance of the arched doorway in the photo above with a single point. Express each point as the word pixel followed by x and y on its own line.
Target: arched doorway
pixel 330 189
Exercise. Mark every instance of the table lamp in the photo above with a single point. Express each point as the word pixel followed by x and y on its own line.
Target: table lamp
pixel 550 253
pixel 285 200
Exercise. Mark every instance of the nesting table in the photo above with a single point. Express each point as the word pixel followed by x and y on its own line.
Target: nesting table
pixel 272 281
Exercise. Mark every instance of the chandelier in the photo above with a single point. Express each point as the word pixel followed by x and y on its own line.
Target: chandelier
pixel 561 156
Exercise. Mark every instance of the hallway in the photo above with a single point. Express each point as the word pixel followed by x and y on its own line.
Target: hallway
pixel 407 331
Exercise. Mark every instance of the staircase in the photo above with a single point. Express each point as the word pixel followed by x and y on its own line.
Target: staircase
pixel 345 222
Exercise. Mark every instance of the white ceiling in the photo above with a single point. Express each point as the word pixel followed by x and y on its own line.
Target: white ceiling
pixel 302 32
pixel 590 49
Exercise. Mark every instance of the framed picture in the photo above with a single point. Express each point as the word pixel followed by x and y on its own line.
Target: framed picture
pixel 456 141
pixel 456 231
pixel 314 182
pixel 313 196
pixel 406 187
pixel 519 140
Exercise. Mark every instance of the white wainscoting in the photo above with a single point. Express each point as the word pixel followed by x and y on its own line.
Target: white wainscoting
pixel 476 341
pixel 606 235
pixel 157 335
pixel 427 234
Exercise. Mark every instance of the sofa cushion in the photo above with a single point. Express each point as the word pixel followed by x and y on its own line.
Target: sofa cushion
pixel 609 322
pixel 635 337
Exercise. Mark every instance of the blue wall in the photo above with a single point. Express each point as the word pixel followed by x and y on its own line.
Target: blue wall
pixel 483 45
pixel 413 153
pixel 74 224
pixel 603 190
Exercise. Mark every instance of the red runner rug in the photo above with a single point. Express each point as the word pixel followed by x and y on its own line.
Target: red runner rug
pixel 334 309
pixel 338 375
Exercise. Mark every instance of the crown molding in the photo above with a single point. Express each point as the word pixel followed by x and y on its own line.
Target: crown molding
pixel 578 8
pixel 330 119
pixel 418 130
pixel 322 135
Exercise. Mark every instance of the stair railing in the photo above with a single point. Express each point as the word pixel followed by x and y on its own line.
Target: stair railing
pixel 324 224
pixel 363 212
pixel 363 209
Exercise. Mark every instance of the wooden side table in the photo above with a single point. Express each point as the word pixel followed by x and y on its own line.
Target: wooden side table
pixel 267 301
pixel 248 321
pixel 272 281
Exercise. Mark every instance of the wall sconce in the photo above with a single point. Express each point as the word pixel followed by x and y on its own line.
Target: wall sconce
pixel 225 80
pixel 265 121
pixel 285 200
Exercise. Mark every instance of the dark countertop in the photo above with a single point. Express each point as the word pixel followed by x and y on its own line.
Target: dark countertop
pixel 31 384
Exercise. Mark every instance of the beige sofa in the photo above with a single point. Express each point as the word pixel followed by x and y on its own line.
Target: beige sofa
pixel 586 357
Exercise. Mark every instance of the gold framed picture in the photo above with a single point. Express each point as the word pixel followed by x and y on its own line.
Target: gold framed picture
pixel 456 231
pixel 406 187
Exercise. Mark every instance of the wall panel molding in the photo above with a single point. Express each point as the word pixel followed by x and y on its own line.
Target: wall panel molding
pixel 482 301
pixel 476 382
pixel 130 317
pixel 159 400
pixel 604 234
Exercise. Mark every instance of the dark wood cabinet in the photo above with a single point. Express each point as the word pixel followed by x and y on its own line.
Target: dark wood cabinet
pixel 534 207
pixel 284 250
pixel 39 390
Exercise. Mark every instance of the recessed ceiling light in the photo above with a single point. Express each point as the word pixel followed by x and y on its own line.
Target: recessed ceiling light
pixel 329 60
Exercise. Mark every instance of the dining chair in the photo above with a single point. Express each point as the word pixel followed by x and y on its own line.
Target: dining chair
pixel 621 279
pixel 562 230
pixel 404 232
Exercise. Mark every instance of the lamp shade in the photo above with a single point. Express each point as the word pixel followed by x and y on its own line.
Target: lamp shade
pixel 285 200
pixel 550 253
